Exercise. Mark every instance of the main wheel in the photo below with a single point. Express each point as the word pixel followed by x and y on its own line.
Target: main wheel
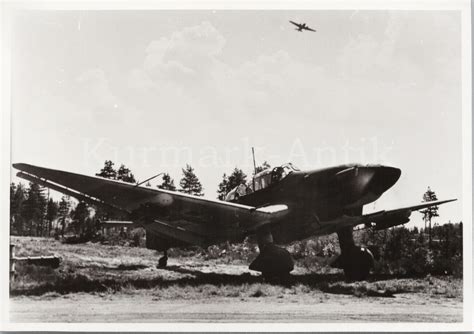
pixel 273 261
pixel 358 264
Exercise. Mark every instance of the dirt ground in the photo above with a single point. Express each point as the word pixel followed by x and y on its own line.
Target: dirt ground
pixel 143 307
pixel 98 283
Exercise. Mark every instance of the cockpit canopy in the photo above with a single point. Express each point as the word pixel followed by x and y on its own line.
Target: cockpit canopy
pixel 262 180
pixel 273 175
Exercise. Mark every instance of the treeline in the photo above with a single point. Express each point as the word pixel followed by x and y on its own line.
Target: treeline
pixel 417 251
pixel 397 251
pixel 436 249
pixel 189 183
pixel 34 213
pixel 31 212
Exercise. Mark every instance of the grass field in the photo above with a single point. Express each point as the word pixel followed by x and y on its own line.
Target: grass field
pixel 102 283
pixel 105 269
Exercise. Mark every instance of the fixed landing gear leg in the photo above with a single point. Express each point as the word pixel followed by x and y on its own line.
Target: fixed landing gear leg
pixel 163 261
pixel 356 261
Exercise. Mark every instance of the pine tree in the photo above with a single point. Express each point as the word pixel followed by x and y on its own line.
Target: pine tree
pixel 63 212
pixel 34 209
pixel 79 216
pixel 108 171
pixel 237 177
pixel 13 208
pixel 190 183
pixel 124 174
pixel 16 208
pixel 168 183
pixel 12 195
pixel 51 213
pixel 43 203
pixel 430 212
pixel 222 187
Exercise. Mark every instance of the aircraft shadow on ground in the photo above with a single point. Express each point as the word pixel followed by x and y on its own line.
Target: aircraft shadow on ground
pixel 307 279
pixel 82 283
pixel 200 277
pixel 313 280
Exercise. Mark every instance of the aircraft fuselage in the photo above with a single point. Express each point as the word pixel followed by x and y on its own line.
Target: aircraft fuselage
pixel 317 197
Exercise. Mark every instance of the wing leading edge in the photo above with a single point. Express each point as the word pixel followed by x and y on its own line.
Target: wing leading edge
pixel 185 217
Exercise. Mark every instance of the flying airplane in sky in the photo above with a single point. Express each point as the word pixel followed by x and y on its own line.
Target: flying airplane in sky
pixel 302 26
pixel 281 205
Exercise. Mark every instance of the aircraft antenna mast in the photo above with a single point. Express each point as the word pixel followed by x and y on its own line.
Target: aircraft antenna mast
pixel 149 179
pixel 254 169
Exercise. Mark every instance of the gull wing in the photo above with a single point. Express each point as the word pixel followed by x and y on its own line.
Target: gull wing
pixel 383 219
pixel 188 218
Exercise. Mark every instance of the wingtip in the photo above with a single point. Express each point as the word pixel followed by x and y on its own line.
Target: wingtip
pixel 20 166
pixel 446 201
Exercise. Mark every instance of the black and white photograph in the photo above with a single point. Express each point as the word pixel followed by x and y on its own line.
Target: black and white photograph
pixel 308 166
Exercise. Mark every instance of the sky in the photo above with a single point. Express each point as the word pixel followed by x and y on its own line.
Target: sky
pixel 156 90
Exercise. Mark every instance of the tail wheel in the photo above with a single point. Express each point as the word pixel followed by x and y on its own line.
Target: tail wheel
pixel 162 262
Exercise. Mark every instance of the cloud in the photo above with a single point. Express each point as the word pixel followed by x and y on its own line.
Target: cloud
pixel 199 87
pixel 274 82
pixel 178 74
pixel 377 57
pixel 93 90
pixel 103 109
pixel 401 55
pixel 184 69
pixel 188 52
pixel 183 76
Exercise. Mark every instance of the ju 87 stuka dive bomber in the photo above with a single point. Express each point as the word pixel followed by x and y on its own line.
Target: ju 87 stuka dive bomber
pixel 281 205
